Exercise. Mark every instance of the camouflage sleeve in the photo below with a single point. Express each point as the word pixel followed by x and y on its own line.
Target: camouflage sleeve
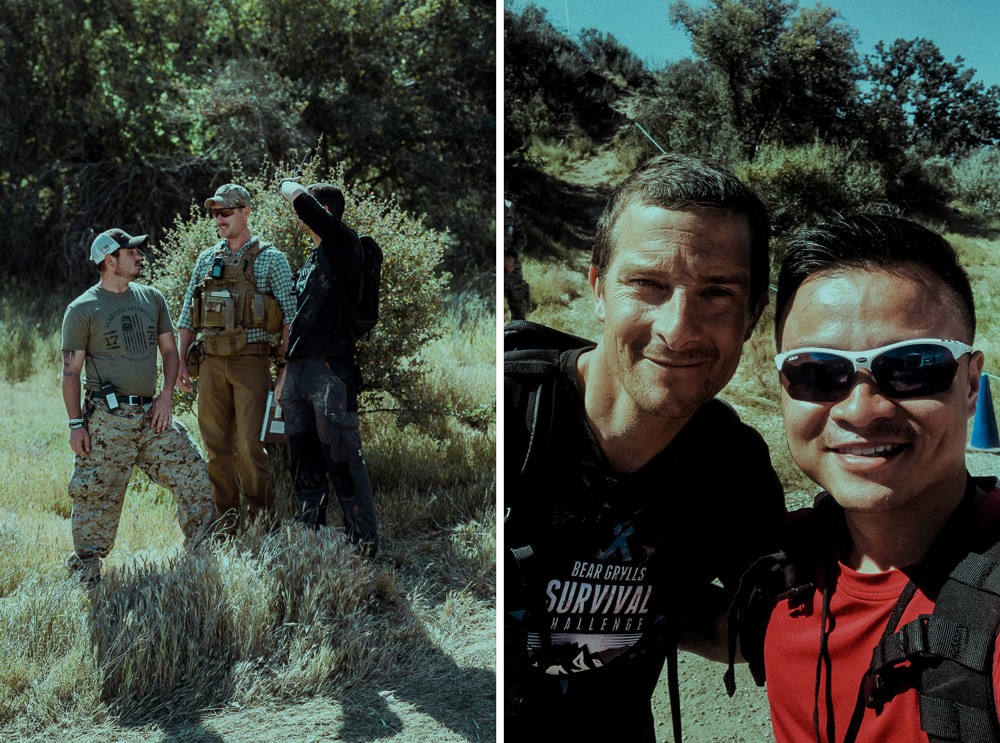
pixel 520 237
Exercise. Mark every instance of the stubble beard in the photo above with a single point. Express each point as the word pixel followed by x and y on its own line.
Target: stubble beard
pixel 663 400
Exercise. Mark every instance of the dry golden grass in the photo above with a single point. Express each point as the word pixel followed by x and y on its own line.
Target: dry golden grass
pixel 285 635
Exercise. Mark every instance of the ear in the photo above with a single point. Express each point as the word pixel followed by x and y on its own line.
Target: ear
pixel 755 315
pixel 598 289
pixel 976 363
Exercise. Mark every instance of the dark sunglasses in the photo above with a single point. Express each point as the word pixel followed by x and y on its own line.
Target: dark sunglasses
pixel 914 368
pixel 226 212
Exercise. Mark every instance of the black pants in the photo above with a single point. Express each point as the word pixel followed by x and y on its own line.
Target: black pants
pixel 320 404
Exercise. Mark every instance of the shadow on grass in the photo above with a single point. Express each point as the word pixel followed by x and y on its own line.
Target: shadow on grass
pixel 163 646
pixel 554 211
pixel 428 683
pixel 178 642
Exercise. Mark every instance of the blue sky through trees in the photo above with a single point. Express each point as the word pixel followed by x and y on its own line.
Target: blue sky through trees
pixel 969 28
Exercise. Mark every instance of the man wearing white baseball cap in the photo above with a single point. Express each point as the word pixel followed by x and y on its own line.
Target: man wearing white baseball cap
pixel 113 331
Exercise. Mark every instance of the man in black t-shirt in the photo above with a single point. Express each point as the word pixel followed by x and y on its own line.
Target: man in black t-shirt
pixel 640 489
pixel 318 389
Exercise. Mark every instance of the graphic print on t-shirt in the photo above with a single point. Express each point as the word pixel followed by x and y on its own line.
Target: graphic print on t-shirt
pixel 596 609
pixel 131 331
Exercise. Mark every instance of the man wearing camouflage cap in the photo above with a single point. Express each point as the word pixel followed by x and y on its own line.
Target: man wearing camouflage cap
pixel 113 330
pixel 239 303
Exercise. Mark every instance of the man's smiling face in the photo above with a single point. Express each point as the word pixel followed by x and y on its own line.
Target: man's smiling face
pixel 874 453
pixel 675 305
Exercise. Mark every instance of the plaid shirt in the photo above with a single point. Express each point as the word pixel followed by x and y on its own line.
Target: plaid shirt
pixel 271 273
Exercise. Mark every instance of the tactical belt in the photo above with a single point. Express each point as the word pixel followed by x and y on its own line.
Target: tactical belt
pixel 251 349
pixel 124 399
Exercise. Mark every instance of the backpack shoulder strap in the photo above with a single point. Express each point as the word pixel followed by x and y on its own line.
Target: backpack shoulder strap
pixel 789 574
pixel 952 648
pixel 531 360
pixel 956 695
pixel 250 260
pixel 537 377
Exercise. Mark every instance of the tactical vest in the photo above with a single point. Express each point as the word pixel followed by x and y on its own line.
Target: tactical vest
pixel 227 303
pixel 946 655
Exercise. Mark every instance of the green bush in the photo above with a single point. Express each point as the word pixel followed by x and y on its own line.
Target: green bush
pixel 800 185
pixel 917 183
pixel 30 322
pixel 412 288
pixel 977 179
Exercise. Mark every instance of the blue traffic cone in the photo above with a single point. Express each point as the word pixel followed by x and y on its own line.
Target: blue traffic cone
pixel 984 425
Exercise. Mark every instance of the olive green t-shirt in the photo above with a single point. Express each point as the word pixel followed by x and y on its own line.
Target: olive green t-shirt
pixel 118 332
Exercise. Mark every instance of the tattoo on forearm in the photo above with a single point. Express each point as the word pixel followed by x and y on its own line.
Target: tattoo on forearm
pixel 68 357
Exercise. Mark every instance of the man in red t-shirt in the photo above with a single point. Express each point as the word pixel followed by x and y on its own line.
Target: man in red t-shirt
pixel 875 323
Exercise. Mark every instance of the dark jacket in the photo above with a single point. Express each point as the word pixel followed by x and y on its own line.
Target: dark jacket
pixel 331 274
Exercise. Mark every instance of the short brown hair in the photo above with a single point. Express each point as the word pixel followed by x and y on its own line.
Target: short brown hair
pixel 677 182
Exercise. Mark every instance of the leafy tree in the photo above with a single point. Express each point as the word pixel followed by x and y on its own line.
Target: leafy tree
pixel 123 112
pixel 917 99
pixel 401 93
pixel 553 88
pixel 688 112
pixel 787 75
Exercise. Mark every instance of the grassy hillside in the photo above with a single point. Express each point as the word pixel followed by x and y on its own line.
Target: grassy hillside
pixel 557 273
pixel 272 636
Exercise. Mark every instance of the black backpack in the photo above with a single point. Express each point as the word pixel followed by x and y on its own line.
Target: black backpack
pixel 531 357
pixel 949 650
pixel 364 308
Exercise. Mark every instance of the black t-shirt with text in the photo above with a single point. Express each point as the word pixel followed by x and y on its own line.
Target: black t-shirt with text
pixel 615 563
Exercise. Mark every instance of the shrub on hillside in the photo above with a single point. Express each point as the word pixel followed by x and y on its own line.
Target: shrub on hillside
pixel 412 288
pixel 688 113
pixel 802 184
pixel 608 54
pixel 916 183
pixel 977 179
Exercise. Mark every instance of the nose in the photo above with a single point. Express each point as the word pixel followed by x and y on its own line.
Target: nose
pixel 864 404
pixel 677 320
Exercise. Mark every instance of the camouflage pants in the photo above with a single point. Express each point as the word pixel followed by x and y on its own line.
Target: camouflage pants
pixel 120 441
pixel 517 292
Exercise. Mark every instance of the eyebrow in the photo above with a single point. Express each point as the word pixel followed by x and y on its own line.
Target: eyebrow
pixel 653 267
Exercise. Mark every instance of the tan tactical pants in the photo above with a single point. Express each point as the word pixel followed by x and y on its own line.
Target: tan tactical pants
pixel 232 395
pixel 120 441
